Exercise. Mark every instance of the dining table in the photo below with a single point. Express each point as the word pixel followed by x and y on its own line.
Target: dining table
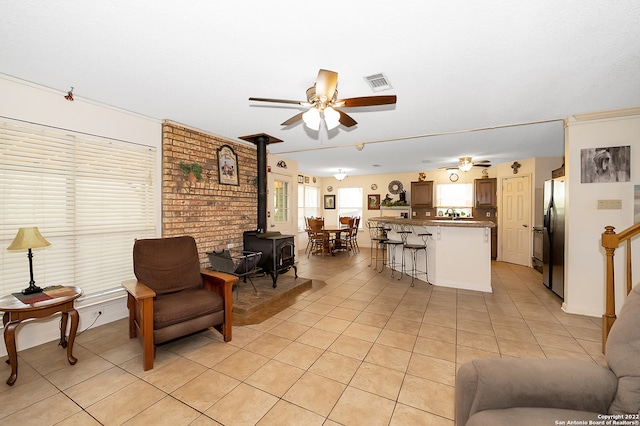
pixel 335 231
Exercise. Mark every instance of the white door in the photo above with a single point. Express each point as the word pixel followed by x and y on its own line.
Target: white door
pixel 281 210
pixel 516 220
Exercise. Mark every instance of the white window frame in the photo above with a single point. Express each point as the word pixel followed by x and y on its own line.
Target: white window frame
pixel 454 195
pixel 308 203
pixel 350 202
pixel 90 197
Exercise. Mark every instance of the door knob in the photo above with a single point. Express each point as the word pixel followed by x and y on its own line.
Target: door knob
pixel 525 226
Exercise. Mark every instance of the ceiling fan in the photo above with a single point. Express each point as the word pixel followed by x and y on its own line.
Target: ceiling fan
pixel 465 164
pixel 322 98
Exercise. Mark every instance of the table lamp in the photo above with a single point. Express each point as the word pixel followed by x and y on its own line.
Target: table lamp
pixel 27 239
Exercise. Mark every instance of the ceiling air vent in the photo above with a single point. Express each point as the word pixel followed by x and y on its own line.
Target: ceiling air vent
pixel 378 82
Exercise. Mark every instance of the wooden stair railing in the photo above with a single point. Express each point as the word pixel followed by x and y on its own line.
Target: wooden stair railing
pixel 611 241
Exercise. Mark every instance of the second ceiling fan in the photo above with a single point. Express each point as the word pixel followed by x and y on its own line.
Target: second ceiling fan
pixel 465 164
pixel 322 98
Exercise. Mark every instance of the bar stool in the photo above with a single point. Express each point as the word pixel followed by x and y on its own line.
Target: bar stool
pixel 391 250
pixel 414 247
pixel 378 237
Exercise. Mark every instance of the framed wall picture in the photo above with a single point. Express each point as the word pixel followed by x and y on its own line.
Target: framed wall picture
pixel 300 179
pixel 373 202
pixel 227 166
pixel 330 202
pixel 605 164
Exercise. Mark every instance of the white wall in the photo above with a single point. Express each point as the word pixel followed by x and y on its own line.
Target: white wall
pixel 24 101
pixel 585 258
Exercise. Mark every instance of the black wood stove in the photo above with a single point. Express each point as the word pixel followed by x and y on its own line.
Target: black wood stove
pixel 278 251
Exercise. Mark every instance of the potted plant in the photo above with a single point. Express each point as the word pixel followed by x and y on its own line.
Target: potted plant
pixel 193 171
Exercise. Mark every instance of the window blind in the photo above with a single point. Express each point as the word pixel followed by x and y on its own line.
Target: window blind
pixel 89 196
pixel 454 195
pixel 350 202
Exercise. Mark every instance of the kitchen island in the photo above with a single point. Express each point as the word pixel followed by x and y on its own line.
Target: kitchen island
pixel 458 251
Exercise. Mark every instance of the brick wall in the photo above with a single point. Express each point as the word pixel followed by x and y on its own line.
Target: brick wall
pixel 214 214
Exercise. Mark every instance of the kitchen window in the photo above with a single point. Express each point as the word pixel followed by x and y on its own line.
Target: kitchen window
pixel 450 195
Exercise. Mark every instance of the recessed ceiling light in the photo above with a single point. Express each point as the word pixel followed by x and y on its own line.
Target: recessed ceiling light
pixel 376 165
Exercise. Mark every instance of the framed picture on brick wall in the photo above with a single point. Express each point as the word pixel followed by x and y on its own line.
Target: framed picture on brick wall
pixel 228 166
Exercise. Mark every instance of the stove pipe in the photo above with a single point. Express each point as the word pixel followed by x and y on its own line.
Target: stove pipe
pixel 261 144
pixel 261 141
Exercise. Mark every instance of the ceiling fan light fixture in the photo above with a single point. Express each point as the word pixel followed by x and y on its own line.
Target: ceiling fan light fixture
pixel 312 119
pixel 340 176
pixel 465 164
pixel 331 118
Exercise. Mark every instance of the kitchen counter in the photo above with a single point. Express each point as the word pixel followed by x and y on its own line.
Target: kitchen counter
pixel 458 251
pixel 459 222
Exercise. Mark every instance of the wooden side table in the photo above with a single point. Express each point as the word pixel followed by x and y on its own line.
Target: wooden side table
pixel 18 308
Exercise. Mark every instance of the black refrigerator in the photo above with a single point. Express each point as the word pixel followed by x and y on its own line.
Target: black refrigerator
pixel 553 241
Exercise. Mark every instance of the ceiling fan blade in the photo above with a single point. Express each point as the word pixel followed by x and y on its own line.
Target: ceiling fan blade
pixel 280 101
pixel 481 165
pixel 366 101
pixel 326 84
pixel 453 166
pixel 482 162
pixel 346 120
pixel 293 120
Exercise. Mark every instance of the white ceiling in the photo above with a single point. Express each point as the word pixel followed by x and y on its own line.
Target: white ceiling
pixel 454 66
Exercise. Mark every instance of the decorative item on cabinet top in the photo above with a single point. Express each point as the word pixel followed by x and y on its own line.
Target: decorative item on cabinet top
pixel 395 187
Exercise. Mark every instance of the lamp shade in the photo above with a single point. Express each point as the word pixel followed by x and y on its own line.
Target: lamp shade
pixel 28 238
pixel 312 119
pixel 331 118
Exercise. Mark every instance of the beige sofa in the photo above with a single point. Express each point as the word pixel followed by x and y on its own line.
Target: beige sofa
pixel 507 391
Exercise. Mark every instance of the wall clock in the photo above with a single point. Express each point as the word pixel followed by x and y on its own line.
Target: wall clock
pixel 453 177
pixel 395 187
pixel 329 188
pixel 374 186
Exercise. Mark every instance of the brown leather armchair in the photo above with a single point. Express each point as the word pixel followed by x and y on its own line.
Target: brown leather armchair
pixel 172 296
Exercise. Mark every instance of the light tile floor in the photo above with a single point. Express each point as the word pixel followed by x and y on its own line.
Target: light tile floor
pixel 364 349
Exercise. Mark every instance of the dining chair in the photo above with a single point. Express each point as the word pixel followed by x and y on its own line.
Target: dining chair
pixel 345 240
pixel 356 225
pixel 316 236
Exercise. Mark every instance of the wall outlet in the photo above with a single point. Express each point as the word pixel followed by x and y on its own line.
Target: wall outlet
pixel 609 204
pixel 414 213
pixel 96 314
pixel 230 245
pixel 427 214
pixel 488 214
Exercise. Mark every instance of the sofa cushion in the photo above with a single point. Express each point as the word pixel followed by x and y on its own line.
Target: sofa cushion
pixel 174 308
pixel 530 416
pixel 622 349
pixel 167 265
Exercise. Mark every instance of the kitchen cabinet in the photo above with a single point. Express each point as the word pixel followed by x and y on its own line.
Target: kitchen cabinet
pixel 422 194
pixel 485 190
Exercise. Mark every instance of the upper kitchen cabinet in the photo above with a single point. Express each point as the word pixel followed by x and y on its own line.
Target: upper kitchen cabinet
pixel 422 194
pixel 486 192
